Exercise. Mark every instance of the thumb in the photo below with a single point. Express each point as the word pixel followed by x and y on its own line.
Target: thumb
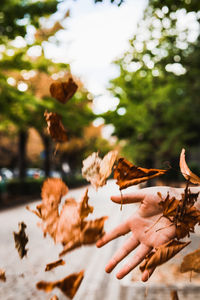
pixel 134 197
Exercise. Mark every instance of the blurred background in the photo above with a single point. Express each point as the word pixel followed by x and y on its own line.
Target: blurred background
pixel 137 68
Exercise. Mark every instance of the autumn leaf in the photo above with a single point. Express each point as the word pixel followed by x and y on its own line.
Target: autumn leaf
pixel 53 190
pixel 63 91
pixel 181 213
pixel 174 295
pixel 128 174
pixel 55 127
pixel 2 275
pixel 89 233
pixel 162 254
pixel 169 206
pixel 68 285
pixel 54 264
pixel 97 170
pixel 191 262
pixel 68 227
pixel 21 240
pixel 186 172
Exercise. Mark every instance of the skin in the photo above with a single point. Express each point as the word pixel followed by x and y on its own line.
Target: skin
pixel 144 228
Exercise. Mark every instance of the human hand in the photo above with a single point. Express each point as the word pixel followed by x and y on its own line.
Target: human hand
pixel 142 224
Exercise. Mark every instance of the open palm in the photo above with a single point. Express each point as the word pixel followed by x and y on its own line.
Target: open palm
pixel 146 233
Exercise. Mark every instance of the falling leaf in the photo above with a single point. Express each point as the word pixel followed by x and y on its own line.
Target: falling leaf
pixel 191 262
pixel 68 285
pixel 54 264
pixel 97 170
pixel 162 254
pixel 89 233
pixel 128 174
pixel 186 172
pixel 55 127
pixel 68 227
pixel 53 190
pixel 2 275
pixel 174 295
pixel 63 91
pixel 21 240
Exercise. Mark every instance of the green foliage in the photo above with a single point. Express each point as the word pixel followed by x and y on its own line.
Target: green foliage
pixel 158 87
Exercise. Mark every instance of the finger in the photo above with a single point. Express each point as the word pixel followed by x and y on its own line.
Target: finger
pixel 142 251
pixel 135 197
pixel 118 231
pixel 130 245
pixel 147 274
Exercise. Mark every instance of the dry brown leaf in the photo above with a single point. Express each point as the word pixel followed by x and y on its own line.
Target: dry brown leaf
pixel 170 206
pixel 69 227
pixel 2 275
pixel 55 127
pixel 191 262
pixel 88 234
pixel 174 295
pixel 63 91
pixel 162 254
pixel 97 170
pixel 54 264
pixel 53 190
pixel 186 172
pixel 68 285
pixel 181 213
pixel 128 174
pixel 21 240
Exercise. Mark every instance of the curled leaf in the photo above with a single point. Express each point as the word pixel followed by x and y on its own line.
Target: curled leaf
pixel 162 254
pixel 54 264
pixel 21 240
pixel 68 285
pixel 191 262
pixel 2 275
pixel 55 127
pixel 63 91
pixel 97 170
pixel 186 172
pixel 128 174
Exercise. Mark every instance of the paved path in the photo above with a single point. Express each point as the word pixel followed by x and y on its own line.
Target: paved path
pixel 22 275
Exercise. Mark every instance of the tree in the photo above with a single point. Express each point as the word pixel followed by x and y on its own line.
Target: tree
pixel 158 87
pixel 32 75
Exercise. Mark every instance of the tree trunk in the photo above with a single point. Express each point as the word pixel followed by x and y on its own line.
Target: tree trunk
pixel 22 154
pixel 47 155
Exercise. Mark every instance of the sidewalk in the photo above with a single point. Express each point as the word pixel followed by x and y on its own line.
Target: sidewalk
pixel 22 275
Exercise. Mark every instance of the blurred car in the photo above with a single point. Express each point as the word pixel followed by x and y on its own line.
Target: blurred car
pixel 34 173
pixel 6 174
pixel 55 174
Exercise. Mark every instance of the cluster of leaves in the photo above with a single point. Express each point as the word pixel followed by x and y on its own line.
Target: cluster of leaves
pixel 68 227
pixel 184 216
